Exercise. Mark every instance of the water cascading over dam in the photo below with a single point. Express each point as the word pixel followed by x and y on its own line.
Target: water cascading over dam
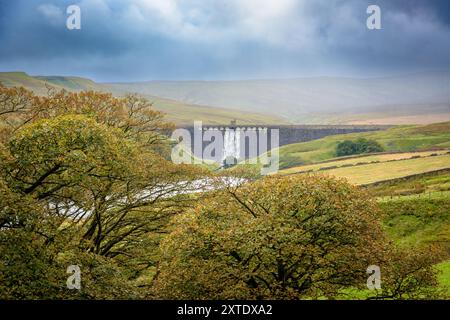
pixel 236 138
pixel 231 144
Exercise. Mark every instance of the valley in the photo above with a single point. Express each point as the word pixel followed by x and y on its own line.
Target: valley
pixel 408 181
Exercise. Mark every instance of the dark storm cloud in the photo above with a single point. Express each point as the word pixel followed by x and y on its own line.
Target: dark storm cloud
pixel 195 39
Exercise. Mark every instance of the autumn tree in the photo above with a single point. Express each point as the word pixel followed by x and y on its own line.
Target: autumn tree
pixel 83 182
pixel 131 113
pixel 279 238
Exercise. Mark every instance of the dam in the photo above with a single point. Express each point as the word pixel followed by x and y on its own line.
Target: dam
pixel 244 142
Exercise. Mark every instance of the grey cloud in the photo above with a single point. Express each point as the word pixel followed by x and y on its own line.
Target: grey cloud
pixel 193 39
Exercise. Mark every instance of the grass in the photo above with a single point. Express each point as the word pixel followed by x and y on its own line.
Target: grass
pixel 428 195
pixel 366 159
pixel 443 278
pixel 417 221
pixel 431 184
pixel 421 221
pixel 397 139
pixel 375 172
pixel 444 275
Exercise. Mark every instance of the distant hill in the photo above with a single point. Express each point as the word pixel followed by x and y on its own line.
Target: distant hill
pixel 420 98
pixel 181 113
pixel 413 99
pixel 71 83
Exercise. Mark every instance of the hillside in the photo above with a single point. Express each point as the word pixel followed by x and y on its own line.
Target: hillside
pixel 352 161
pixel 411 99
pixel 421 221
pixel 179 112
pixel 412 187
pixel 21 79
pixel 398 139
pixel 382 171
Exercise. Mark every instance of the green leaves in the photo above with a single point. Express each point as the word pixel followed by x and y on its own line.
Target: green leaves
pixel 306 237
pixel 360 146
pixel 81 182
pixel 299 241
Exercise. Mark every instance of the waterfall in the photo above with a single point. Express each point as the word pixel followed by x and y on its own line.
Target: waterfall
pixel 231 144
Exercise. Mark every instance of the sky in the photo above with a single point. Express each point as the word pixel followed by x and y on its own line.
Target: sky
pixel 125 41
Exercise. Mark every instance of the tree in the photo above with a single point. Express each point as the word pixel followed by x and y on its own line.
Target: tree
pixel 372 146
pixel 345 148
pixel 15 104
pixel 132 114
pixel 33 266
pixel 83 182
pixel 362 145
pixel 277 238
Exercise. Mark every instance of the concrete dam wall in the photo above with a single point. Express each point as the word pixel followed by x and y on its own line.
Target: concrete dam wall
pixel 237 141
